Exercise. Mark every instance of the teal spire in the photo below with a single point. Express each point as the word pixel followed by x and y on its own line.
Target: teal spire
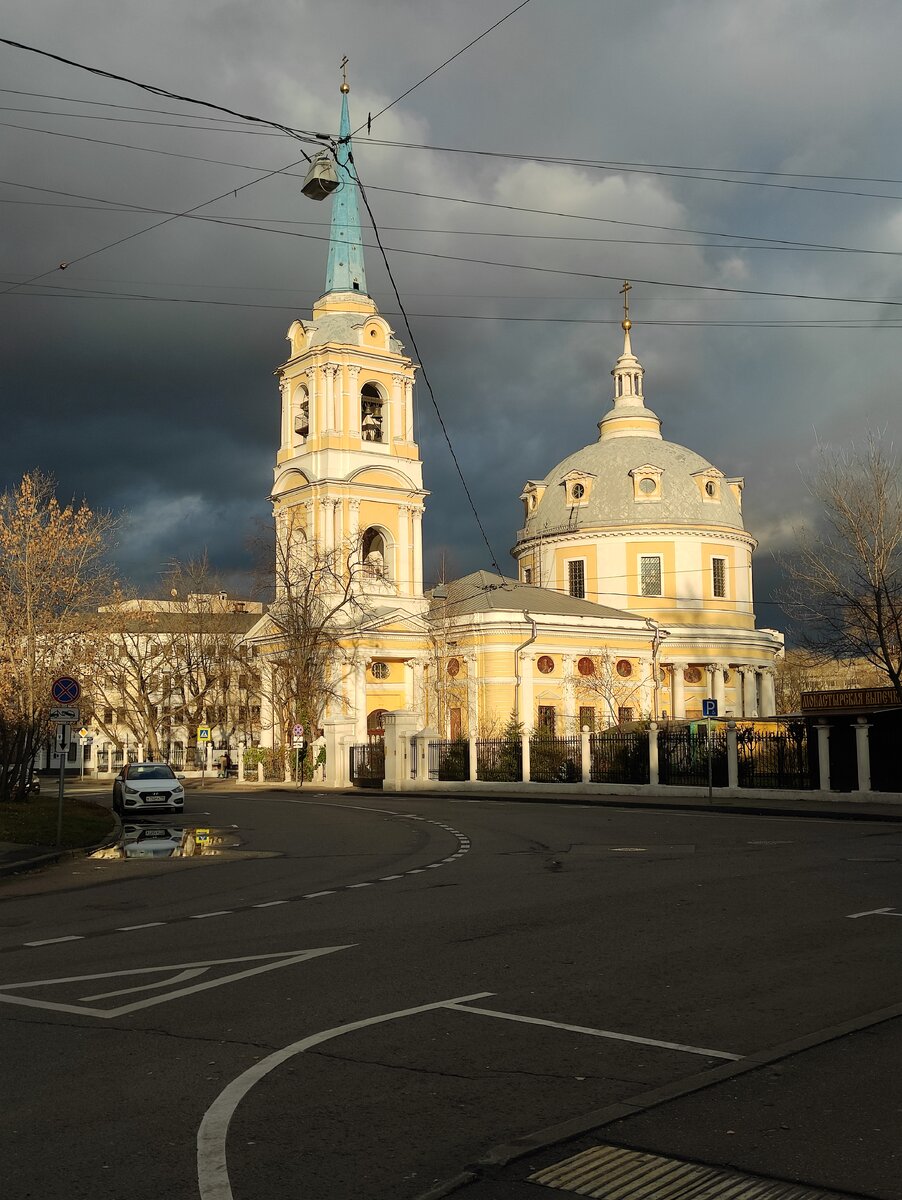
pixel 345 271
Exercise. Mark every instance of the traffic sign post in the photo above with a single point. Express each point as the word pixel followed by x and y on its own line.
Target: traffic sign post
pixel 65 693
pixel 299 745
pixel 709 710
pixel 203 739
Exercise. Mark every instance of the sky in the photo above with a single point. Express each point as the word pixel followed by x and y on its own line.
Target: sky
pixel 740 164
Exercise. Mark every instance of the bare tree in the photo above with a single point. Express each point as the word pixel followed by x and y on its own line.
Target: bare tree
pixel 845 586
pixel 597 682
pixel 52 574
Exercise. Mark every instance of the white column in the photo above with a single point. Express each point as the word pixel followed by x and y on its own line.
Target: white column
pixel 718 692
pixel 408 410
pixel 354 531
pixel 678 690
pixel 768 694
pixel 404 577
pixel 397 408
pixel 353 400
pixel 823 754
pixel 266 705
pixel 646 688
pixel 418 704
pixel 472 695
pixel 360 700
pixel 285 394
pixel 569 696
pixel 313 392
pixel 585 747
pixel 337 523
pixel 749 692
pixel 418 552
pixel 526 715
pixel 863 751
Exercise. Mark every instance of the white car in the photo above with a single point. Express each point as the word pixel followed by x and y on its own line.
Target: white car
pixel 147 787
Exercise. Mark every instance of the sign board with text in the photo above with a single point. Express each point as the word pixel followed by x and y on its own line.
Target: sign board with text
pixel 67 714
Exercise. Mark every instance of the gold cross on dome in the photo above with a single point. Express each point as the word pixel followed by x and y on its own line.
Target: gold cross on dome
pixel 343 66
pixel 624 292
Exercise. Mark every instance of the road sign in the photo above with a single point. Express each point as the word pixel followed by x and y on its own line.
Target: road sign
pixel 297 731
pixel 87 740
pixel 203 733
pixel 709 708
pixel 298 741
pixel 201 836
pixel 65 690
pixel 66 715
pixel 62 737
pixel 83 733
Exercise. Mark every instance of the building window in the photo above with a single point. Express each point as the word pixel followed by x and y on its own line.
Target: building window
pixel 577 491
pixel 624 714
pixel 650 574
pixel 624 668
pixel 576 578
pixel 301 413
pixel 107 716
pixel 648 486
pixel 587 718
pixel 546 718
pixel 375 722
pixel 586 666
pixel 711 489
pixel 371 413
pixel 545 664
pixel 373 553
pixel 527 574
pixel 379 670
pixel 719 577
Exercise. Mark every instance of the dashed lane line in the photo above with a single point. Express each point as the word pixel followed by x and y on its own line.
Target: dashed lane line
pixel 463 843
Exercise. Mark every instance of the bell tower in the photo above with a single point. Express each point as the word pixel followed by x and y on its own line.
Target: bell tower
pixel 348 476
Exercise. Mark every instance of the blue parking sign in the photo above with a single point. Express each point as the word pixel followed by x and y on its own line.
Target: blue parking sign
pixel 709 708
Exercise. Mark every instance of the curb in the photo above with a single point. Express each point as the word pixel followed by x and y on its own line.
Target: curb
pixel 47 860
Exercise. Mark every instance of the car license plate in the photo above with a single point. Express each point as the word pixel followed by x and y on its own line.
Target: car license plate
pixel 158 796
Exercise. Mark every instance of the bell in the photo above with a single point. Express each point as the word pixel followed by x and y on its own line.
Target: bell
pixel 322 178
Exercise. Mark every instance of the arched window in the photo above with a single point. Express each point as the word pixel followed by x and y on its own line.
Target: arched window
pixel 301 414
pixel 373 553
pixel 371 424
pixel 375 727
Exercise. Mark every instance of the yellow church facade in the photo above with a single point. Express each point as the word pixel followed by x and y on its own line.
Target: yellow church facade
pixel 632 594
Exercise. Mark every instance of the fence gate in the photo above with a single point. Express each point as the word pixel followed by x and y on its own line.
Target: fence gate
pixel 367 765
pixel 683 756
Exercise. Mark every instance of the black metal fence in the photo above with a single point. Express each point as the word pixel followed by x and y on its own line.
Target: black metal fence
pixel 619 756
pixel 683 756
pixel 774 759
pixel 555 759
pixel 499 760
pixel 450 760
pixel 367 764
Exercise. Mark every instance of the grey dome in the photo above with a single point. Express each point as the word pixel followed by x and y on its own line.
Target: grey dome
pixel 343 328
pixel 611 498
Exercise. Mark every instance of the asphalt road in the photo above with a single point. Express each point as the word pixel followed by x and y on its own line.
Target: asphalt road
pixel 374 991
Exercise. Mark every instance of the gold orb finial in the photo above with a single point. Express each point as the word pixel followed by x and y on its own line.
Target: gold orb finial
pixel 344 87
pixel 626 325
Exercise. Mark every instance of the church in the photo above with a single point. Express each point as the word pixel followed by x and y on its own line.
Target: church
pixel 632 595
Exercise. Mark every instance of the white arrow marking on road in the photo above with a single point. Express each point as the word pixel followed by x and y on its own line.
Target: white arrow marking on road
pixel 265 962
pixel 874 912
pixel 212 1171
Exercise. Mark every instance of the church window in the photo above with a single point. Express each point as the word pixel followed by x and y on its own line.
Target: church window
pixel 624 714
pixel 719 577
pixel 624 668
pixel 546 718
pixel 545 664
pixel 648 486
pixel 375 722
pixel 371 424
pixel 711 489
pixel 576 578
pixel 301 413
pixel 527 574
pixel 619 385
pixel 379 670
pixel 636 384
pixel 650 574
pixel 586 667
pixel 587 718
pixel 372 551
pixel 577 491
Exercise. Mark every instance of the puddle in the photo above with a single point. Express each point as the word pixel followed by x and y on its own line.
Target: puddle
pixel 170 841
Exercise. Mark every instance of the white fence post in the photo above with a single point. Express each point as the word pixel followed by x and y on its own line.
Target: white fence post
pixel 732 756
pixel 823 754
pixel 474 757
pixel 524 743
pixel 863 753
pixel 653 752
pixel 585 756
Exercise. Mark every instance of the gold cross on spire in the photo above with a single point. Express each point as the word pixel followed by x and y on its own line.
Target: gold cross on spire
pixel 625 293
pixel 343 65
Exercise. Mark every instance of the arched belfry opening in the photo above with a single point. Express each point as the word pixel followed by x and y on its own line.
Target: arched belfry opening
pixel 374 553
pixel 371 417
pixel 302 414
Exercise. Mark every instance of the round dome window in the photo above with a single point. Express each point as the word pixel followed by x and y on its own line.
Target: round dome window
pixel 545 664
pixel 648 486
pixel 711 488
pixel 577 491
pixel 624 668
pixel 586 666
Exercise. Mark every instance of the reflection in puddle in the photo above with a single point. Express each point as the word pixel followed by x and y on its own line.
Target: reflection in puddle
pixel 170 841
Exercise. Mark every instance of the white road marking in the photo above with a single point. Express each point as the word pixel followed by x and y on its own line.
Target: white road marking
pixel 146 925
pixel 265 963
pixel 191 973
pixel 415 871
pixel 386 878
pixel 222 912
pixel 269 904
pixel 73 937
pixel 313 895
pixel 357 885
pixel 874 912
pixel 602 1033
pixel 212 1169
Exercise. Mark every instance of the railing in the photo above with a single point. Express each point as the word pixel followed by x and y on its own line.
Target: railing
pixel 555 759
pixel 619 756
pixel 683 756
pixel 769 759
pixel 450 760
pixel 499 760
pixel 367 764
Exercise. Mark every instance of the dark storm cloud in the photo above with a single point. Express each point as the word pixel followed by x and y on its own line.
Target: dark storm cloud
pixel 170 409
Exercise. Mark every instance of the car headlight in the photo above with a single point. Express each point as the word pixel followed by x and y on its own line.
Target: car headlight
pixel 132 792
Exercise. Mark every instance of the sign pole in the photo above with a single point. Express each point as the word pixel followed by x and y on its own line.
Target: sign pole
pixel 63 748
pixel 710 765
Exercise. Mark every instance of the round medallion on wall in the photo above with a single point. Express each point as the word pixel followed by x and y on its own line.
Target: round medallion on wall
pixel 624 668
pixel 545 664
pixel 453 667
pixel 586 666
pixel 693 674
pixel 379 670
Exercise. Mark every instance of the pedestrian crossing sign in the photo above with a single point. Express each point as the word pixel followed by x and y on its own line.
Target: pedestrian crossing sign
pixel 203 733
